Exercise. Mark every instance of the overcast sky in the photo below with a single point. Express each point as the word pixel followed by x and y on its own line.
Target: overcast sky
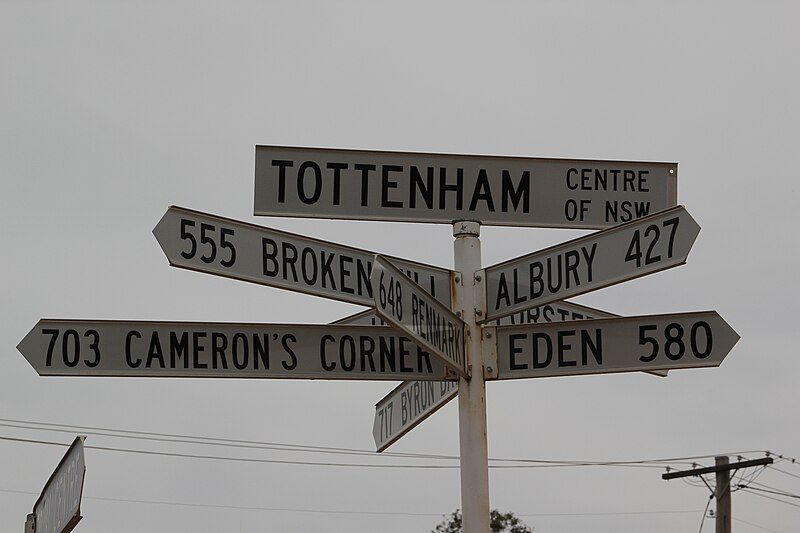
pixel 112 111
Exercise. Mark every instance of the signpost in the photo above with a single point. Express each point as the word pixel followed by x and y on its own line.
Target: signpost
pixel 247 252
pixel 608 257
pixel 445 188
pixel 225 350
pixel 443 333
pixel 58 509
pixel 405 305
pixel 411 402
pixel 654 342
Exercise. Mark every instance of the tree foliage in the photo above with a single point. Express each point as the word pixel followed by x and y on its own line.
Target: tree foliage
pixel 498 522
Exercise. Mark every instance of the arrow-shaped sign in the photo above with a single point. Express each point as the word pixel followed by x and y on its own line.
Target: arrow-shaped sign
pixel 406 306
pixel 214 350
pixel 653 342
pixel 58 508
pixel 247 252
pixel 611 256
pixel 406 406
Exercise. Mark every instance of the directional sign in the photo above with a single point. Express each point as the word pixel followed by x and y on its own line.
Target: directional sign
pixel 654 342
pixel 555 312
pixel 622 253
pixel 406 306
pixel 224 247
pixel 443 188
pixel 58 509
pixel 202 349
pixel 408 405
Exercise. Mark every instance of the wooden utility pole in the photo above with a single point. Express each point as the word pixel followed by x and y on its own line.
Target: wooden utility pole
pixel 722 493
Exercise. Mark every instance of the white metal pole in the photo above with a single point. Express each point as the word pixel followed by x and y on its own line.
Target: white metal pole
pixel 472 392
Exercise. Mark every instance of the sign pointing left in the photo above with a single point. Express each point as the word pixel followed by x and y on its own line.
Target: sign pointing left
pixel 247 252
pixel 108 348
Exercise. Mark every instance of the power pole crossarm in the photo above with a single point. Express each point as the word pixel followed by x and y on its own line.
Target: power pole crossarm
pixel 717 468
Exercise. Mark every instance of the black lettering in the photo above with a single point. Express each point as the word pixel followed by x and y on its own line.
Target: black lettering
pixel 457 188
pixel 563 347
pixel 128 357
pixel 482 192
pixel 178 349
pixel 535 337
pixel 240 347
pixel 269 257
pixel 387 183
pixel 365 170
pixel 197 348
pixel 521 193
pixel 344 273
pixel 281 177
pixel 301 183
pixel 219 342
pixel 425 189
pixel 291 364
pixel 337 168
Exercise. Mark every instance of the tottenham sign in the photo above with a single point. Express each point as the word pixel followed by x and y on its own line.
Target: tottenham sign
pixel 444 188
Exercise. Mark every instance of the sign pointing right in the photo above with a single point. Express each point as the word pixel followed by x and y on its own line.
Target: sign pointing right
pixel 608 257
pixel 406 306
pixel 607 345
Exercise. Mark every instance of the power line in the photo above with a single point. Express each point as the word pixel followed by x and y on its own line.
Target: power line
pixel 539 464
pixel 280 446
pixel 754 525
pixel 239 507
pixel 336 511
pixel 784 472
pixel 703 519
pixel 342 451
pixel 779 493
pixel 226 458
pixel 770 497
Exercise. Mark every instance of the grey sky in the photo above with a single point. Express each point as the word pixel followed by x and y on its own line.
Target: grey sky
pixel 111 111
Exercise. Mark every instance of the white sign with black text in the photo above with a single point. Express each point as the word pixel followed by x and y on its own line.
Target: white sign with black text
pixel 444 188
pixel 406 306
pixel 608 345
pixel 247 252
pixel 608 257
pixel 220 349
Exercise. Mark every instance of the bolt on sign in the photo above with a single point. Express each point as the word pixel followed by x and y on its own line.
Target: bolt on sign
pixel 58 508
pixel 247 252
pixel 206 349
pixel 608 257
pixel 444 188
